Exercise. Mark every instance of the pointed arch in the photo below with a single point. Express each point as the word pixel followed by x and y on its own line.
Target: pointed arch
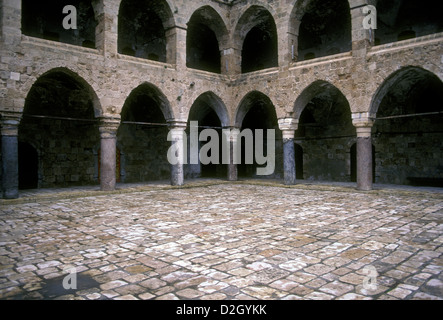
pixel 209 101
pixel 256 36
pixel 142 27
pixel 206 36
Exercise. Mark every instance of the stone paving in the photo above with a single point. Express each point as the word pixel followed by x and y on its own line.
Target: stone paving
pixel 219 240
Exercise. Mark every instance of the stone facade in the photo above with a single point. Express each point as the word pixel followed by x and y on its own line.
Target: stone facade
pixel 175 76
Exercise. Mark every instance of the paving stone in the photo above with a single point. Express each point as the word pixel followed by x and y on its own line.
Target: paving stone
pixel 238 241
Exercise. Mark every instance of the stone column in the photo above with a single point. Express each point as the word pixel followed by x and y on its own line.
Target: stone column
pixel 108 141
pixel 9 132
pixel 288 126
pixel 230 141
pixel 178 142
pixel 364 153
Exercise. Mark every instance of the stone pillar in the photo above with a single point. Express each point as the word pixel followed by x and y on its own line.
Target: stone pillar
pixel 362 34
pixel 230 61
pixel 230 142
pixel 106 33
pixel 288 126
pixel 9 133
pixel 178 142
pixel 108 142
pixel 364 152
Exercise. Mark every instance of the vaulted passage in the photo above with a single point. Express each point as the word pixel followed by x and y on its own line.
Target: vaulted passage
pixel 325 29
pixel 46 22
pixel 205 111
pixel 259 34
pixel 58 124
pixel 142 29
pixel 408 133
pixel 405 19
pixel 256 115
pixel 142 135
pixel 205 30
pixel 325 133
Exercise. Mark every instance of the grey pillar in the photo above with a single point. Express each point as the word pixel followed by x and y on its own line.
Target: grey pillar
pixel 9 168
pixel 177 138
pixel 232 166
pixel 364 159
pixel 230 135
pixel 108 141
pixel 288 126
pixel 289 161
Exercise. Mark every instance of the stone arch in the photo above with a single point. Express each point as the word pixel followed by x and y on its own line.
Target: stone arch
pixel 407 72
pixel 405 19
pixel 207 35
pixel 153 92
pixel 142 29
pixel 407 128
pixel 247 103
pixel 257 112
pixel 46 22
pixel 213 101
pixel 143 132
pixel 78 75
pixel 256 36
pixel 324 130
pixel 211 113
pixel 59 120
pixel 317 28
pixel 307 94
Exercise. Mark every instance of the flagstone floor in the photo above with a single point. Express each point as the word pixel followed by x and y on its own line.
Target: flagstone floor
pixel 217 240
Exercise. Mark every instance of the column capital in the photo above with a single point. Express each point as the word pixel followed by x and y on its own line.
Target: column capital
pixel 288 126
pixel 9 123
pixel 363 123
pixel 177 125
pixel 108 127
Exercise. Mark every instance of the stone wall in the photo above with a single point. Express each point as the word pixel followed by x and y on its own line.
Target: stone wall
pixel 111 76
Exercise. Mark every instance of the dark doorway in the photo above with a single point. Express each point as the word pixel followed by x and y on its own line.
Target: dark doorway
pixel 27 166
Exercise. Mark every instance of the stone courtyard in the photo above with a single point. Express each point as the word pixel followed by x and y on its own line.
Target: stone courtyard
pixel 217 240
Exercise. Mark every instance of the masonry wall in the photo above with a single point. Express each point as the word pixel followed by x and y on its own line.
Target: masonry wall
pixel 111 76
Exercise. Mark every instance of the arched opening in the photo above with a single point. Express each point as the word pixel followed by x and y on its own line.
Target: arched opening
pixel 325 128
pixel 256 112
pixel 58 119
pixel 27 166
pixel 206 32
pixel 325 28
pixel 407 131
pixel 406 19
pixel 353 159
pixel 143 133
pixel 46 22
pixel 210 113
pixel 258 33
pixel 142 29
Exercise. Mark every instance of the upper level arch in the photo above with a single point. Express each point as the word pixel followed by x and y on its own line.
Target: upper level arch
pixel 256 35
pixel 142 29
pixel 46 22
pixel 320 28
pixel 206 36
pixel 405 19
